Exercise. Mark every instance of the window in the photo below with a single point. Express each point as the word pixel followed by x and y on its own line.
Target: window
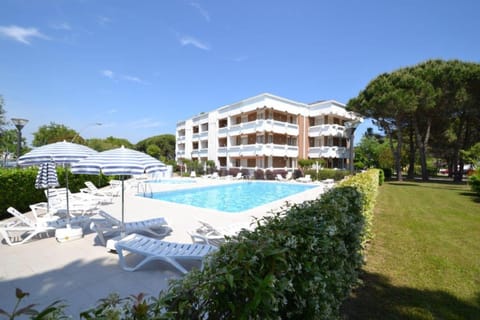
pixel 292 141
pixel 261 139
pixel 222 123
pixel 244 140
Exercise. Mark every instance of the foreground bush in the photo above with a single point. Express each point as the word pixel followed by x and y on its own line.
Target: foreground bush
pixel 474 181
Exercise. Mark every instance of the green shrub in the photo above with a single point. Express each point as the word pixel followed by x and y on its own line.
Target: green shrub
pixel 18 187
pixel 381 177
pixel 324 174
pixel 388 173
pixel 367 183
pixel 474 181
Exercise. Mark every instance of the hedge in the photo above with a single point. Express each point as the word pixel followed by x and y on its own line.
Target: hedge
pixel 18 187
pixel 367 183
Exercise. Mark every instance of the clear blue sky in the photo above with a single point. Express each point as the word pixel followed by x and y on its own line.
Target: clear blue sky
pixel 138 67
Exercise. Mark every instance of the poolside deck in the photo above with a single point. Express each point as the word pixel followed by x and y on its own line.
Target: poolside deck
pixel 82 271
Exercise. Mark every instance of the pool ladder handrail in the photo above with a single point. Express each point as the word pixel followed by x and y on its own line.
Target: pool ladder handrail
pixel 145 188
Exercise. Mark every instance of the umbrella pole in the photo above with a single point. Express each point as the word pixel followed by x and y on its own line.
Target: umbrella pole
pixel 48 201
pixel 68 208
pixel 123 208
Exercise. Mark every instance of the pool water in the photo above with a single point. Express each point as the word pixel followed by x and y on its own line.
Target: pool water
pixel 236 197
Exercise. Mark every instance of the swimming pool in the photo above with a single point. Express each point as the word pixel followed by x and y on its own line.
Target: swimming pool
pixel 235 197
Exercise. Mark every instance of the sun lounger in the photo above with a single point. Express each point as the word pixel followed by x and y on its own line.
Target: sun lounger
pixel 307 178
pixel 208 234
pixel 78 203
pixel 156 227
pixel 153 249
pixel 104 196
pixel 23 229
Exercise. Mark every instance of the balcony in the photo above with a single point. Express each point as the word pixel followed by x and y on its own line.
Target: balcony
pixel 259 126
pixel 181 139
pixel 328 152
pixel 200 136
pixel 180 154
pixel 332 130
pixel 253 150
pixel 200 153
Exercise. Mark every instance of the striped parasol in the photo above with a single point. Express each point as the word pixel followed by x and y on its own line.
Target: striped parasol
pixel 58 152
pixel 47 178
pixel 119 162
pixel 64 153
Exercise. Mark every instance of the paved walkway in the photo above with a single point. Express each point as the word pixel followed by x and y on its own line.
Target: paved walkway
pixel 82 271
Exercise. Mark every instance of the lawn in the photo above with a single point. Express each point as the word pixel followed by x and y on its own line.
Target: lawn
pixel 424 260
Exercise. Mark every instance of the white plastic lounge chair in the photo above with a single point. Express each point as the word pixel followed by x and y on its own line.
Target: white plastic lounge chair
pixel 104 196
pixel 208 234
pixel 307 178
pixel 214 175
pixel 239 176
pixel 78 203
pixel 22 228
pixel 279 177
pixel 156 227
pixel 153 249
pixel 289 175
pixel 115 187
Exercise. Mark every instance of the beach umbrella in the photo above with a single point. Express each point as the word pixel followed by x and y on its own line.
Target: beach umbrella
pixel 64 153
pixel 47 178
pixel 119 162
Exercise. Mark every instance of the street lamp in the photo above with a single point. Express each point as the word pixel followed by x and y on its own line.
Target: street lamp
pixel 19 124
pixel 350 127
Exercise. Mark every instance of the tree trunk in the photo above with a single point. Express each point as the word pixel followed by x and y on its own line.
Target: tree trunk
pixel 422 147
pixel 398 156
pixel 411 157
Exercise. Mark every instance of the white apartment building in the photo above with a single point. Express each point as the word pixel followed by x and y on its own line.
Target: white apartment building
pixel 267 132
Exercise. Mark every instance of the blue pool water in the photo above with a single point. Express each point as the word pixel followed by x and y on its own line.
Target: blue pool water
pixel 235 197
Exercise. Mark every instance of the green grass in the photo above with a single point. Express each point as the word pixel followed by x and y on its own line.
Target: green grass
pixel 424 260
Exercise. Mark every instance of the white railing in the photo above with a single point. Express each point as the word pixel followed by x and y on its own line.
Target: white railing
pixel 261 126
pixel 251 150
pixel 327 130
pixel 328 152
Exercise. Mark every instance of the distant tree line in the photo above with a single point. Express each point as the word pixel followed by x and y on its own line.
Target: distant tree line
pixel 161 147
pixel 432 108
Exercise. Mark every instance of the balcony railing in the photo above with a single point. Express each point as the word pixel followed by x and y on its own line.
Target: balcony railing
pixel 252 150
pixel 335 130
pixel 328 152
pixel 261 125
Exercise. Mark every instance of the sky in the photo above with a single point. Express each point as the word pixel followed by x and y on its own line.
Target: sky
pixel 139 67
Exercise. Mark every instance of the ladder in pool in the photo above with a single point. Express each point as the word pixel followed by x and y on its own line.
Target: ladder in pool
pixel 145 188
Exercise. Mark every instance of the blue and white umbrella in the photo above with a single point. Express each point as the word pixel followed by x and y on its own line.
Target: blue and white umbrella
pixel 64 153
pixel 47 178
pixel 119 162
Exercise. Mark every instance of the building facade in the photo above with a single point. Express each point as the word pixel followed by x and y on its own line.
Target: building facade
pixel 268 132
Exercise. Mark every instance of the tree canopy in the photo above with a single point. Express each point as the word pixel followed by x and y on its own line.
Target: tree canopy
pixel 161 147
pixel 433 106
